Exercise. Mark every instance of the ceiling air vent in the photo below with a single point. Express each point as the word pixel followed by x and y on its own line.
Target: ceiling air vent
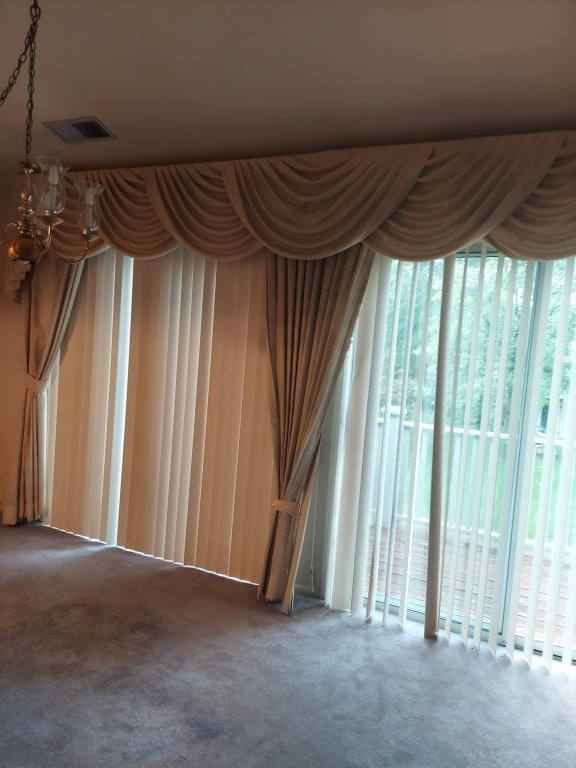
pixel 80 129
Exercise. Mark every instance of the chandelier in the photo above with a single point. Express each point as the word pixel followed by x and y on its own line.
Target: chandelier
pixel 42 202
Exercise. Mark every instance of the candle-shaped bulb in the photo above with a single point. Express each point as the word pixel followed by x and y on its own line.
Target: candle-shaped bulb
pixel 87 211
pixel 53 190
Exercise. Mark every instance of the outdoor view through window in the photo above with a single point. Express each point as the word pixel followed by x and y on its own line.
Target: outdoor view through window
pixel 509 495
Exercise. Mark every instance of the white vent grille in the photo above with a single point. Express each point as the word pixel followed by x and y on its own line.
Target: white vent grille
pixel 80 129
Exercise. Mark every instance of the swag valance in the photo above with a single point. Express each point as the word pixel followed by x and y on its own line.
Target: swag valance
pixel 412 202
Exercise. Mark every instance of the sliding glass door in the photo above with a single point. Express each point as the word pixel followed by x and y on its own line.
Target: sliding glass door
pixel 509 415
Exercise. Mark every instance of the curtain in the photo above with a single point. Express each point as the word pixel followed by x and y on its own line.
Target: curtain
pixel 312 307
pixel 413 202
pixel 47 302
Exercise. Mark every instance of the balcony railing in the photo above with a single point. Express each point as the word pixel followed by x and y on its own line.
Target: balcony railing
pixel 467 548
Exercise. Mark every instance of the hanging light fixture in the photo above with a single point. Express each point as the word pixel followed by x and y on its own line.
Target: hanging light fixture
pixel 42 203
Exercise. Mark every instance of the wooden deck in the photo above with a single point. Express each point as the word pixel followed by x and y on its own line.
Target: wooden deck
pixel 417 583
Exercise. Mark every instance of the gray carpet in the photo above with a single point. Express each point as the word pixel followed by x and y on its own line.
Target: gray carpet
pixel 109 658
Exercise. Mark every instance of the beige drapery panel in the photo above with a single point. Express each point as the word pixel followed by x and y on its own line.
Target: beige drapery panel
pixel 312 307
pixel 47 302
pixel 412 202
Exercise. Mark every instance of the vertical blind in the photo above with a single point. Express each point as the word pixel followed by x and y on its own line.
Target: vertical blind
pixel 160 433
pixel 508 534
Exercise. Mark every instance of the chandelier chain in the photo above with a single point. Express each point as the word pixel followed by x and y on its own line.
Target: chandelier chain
pixel 29 53
pixel 30 102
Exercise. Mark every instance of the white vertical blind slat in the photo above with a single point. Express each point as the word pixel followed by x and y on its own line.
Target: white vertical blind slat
pixel 453 460
pixel 227 371
pixel 200 386
pixel 52 394
pixel 335 470
pixel 170 453
pixel 563 551
pixel 224 412
pixel 525 462
pixel 346 593
pixel 179 469
pixel 437 479
pixel 478 476
pixel 122 304
pixel 399 448
pixel 512 447
pixel 255 453
pixel 386 440
pixel 465 451
pixel 142 505
pixel 482 518
pixel 562 556
pixel 540 543
pixel 542 520
pixel 374 348
pixel 99 402
pixel 378 361
pixel 416 446
pixel 494 456
pixel 554 455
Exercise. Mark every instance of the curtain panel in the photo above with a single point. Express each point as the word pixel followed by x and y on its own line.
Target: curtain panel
pixel 47 304
pixel 312 308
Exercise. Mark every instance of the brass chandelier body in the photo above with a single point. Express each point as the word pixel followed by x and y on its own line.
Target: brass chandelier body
pixel 40 204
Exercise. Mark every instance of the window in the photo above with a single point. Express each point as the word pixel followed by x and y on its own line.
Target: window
pixel 509 418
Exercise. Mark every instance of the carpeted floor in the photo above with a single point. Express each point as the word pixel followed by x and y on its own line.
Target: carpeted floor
pixel 109 659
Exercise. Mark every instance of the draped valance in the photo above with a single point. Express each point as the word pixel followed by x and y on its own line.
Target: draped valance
pixel 417 201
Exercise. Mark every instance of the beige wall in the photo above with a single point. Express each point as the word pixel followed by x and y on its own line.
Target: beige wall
pixel 11 390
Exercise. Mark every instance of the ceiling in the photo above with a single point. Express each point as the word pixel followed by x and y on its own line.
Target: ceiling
pixel 186 80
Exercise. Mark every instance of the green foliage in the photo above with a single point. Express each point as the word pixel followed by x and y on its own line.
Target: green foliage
pixel 493 299
pixel 501 311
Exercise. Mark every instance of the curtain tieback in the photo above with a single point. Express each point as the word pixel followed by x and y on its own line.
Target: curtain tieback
pixel 36 386
pixel 290 507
